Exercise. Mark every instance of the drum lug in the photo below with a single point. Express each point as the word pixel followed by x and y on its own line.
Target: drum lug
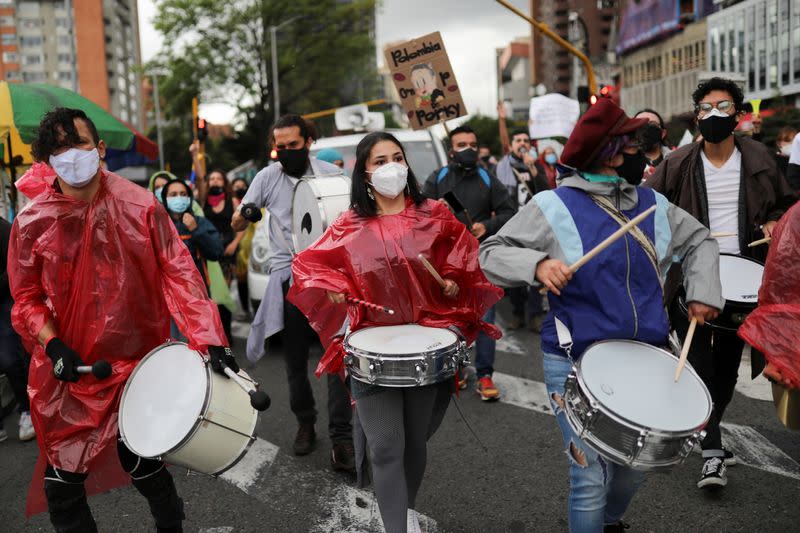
pixel 348 360
pixel 639 446
pixel 420 369
pixel 374 371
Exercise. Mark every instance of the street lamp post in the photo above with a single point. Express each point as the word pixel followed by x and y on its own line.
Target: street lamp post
pixel 273 31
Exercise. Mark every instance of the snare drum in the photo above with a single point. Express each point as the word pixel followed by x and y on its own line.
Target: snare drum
pixel 317 202
pixel 174 408
pixel 622 400
pixel 741 280
pixel 404 356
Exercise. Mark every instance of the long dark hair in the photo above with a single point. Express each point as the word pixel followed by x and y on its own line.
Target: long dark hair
pixel 360 202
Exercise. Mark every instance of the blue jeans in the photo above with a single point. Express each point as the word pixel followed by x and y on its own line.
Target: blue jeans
pixel 484 349
pixel 599 490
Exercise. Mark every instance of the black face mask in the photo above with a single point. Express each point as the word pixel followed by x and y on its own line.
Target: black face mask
pixel 215 190
pixel 466 159
pixel 649 136
pixel 294 162
pixel 632 167
pixel 239 193
pixel 486 158
pixel 717 129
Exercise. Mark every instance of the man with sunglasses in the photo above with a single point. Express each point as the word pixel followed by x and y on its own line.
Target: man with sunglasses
pixel 733 186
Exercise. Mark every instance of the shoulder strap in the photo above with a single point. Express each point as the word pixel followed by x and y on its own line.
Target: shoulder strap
pixel 485 177
pixel 638 235
pixel 442 173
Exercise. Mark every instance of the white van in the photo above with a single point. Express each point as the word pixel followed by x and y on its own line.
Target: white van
pixel 425 154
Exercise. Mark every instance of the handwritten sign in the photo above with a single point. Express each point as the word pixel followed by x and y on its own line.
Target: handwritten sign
pixel 425 81
pixel 553 115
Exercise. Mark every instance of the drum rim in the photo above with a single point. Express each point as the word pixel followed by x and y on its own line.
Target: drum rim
pixel 594 401
pixel 314 189
pixel 201 414
pixel 352 350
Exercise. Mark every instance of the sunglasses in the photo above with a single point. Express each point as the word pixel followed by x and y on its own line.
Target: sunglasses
pixel 726 106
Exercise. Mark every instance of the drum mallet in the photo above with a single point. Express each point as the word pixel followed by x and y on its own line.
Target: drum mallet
pixel 258 398
pixel 100 369
pixel 369 305
pixel 687 343
pixel 607 242
pixel 765 240
pixel 432 270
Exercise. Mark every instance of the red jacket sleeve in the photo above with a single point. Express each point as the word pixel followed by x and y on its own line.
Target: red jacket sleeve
pixel 186 295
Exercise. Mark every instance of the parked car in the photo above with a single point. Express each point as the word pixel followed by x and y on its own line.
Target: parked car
pixel 425 154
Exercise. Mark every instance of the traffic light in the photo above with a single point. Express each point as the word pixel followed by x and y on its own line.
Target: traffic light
pixel 202 129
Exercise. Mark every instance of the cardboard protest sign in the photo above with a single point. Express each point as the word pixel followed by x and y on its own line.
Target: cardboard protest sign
pixel 424 78
pixel 553 115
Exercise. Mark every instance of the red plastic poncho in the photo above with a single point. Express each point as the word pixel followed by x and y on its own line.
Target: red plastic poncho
pixel 108 273
pixel 774 327
pixel 376 259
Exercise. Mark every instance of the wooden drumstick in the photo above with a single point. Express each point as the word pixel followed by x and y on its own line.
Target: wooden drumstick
pixel 687 343
pixel 720 234
pixel 607 242
pixel 432 270
pixel 370 305
pixel 765 240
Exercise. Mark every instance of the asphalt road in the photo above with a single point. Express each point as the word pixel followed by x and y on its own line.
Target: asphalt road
pixel 518 485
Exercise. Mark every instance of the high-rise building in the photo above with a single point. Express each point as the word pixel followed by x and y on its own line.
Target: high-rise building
pixel 514 77
pixel 92 48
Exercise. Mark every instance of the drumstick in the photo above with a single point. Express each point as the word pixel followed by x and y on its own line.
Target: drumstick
pixel 687 343
pixel 432 270
pixel 719 234
pixel 369 305
pixel 259 399
pixel 607 242
pixel 100 370
pixel 765 240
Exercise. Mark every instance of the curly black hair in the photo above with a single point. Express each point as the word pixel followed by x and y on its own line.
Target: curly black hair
pixel 720 84
pixel 49 137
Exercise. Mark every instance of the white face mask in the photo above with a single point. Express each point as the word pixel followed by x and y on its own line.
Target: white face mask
pixel 390 179
pixel 76 167
pixel 786 149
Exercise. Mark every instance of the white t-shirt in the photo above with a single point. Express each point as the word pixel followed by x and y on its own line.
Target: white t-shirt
pixel 722 187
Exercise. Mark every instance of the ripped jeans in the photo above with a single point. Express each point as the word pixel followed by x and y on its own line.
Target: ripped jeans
pixel 599 490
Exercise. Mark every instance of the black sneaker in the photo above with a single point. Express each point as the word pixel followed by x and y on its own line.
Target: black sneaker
pixel 305 439
pixel 343 456
pixel 619 527
pixel 713 474
pixel 730 459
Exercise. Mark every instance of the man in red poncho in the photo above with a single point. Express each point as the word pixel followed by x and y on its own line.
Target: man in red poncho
pixel 774 327
pixel 96 269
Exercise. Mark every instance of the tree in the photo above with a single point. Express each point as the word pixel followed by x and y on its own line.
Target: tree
pixel 221 50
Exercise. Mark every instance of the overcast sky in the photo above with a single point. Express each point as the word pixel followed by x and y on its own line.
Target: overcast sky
pixel 471 30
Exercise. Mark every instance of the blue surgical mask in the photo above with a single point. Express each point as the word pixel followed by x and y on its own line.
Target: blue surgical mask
pixel 157 192
pixel 178 204
pixel 551 158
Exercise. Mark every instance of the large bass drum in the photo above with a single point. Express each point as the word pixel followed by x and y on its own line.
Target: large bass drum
pixel 176 409
pixel 622 400
pixel 317 202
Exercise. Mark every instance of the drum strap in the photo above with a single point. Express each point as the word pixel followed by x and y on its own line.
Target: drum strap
pixel 564 337
pixel 638 235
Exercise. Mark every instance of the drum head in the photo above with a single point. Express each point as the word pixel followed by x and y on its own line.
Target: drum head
pixel 740 277
pixel 401 340
pixel 163 399
pixel 635 381
pixel 317 202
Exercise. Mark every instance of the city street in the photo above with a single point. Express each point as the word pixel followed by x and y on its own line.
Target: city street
pixel 518 485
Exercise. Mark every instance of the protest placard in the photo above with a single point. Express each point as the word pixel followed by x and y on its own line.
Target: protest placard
pixel 425 81
pixel 553 115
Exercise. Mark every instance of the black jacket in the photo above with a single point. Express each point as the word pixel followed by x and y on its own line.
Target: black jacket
pixel 5 236
pixel 489 205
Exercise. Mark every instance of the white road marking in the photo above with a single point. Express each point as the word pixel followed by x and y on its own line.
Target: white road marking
pixel 223 529
pixel 750 446
pixel 258 458
pixel 240 330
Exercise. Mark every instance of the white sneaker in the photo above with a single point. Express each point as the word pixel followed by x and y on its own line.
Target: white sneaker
pixel 3 435
pixel 26 431
pixel 412 523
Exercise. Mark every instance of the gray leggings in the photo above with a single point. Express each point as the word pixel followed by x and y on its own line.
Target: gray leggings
pixel 397 424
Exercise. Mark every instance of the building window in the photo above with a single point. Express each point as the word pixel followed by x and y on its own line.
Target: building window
pixel 30 23
pixel 64 40
pixel 751 49
pixel 30 41
pixel 35 59
pixel 65 58
pixel 12 75
pixel 7 21
pixel 65 76
pixel 10 57
pixel 34 77
pixel 8 38
pixel 62 23
pixel 714 47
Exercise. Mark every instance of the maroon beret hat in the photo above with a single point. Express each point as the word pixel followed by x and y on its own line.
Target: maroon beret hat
pixel 594 130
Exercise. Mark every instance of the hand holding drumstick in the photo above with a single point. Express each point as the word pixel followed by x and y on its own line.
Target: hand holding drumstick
pixel 449 287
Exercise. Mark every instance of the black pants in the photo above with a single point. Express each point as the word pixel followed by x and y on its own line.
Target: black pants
pixel 225 317
pixel 244 295
pixel 715 356
pixel 297 338
pixel 69 510
pixel 13 361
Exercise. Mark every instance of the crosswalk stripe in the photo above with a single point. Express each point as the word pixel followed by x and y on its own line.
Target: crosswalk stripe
pixel 258 458
pixel 750 446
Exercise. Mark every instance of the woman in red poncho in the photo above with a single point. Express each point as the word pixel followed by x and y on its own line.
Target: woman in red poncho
pixel 371 252
pixel 95 268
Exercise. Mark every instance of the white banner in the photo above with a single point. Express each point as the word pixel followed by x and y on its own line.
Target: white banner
pixel 553 115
